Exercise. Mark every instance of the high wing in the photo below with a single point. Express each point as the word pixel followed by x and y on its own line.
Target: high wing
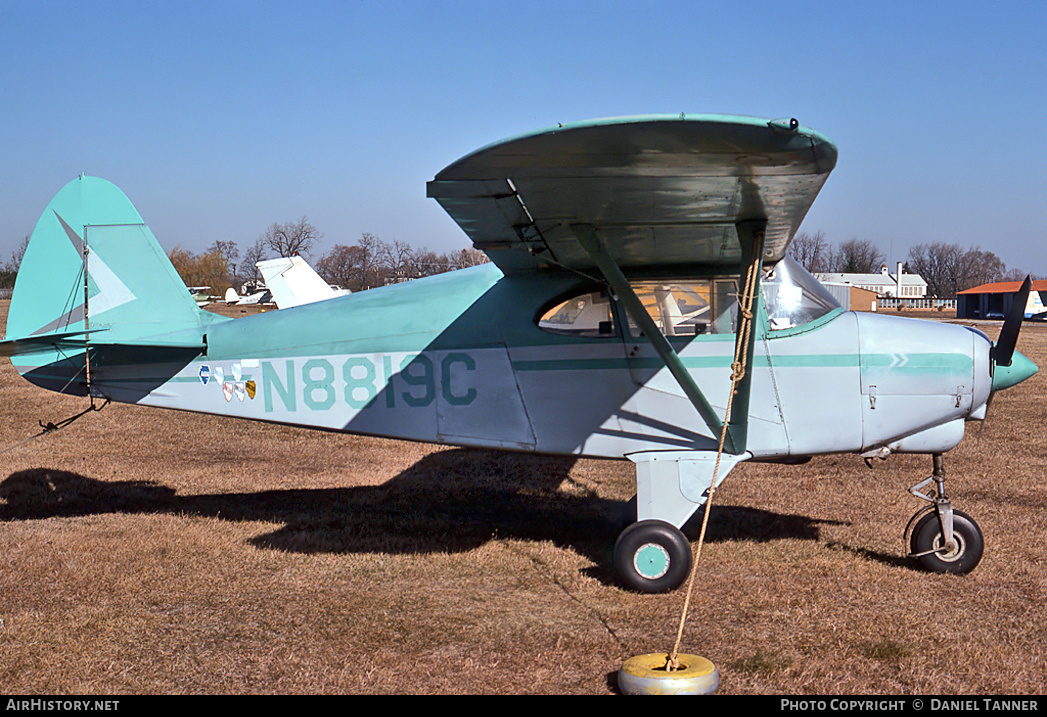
pixel 643 194
pixel 659 190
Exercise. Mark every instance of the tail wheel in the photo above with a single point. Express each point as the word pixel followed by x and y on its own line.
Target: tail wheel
pixel 652 556
pixel 961 557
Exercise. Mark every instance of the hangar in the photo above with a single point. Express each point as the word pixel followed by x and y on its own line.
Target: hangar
pixel 992 301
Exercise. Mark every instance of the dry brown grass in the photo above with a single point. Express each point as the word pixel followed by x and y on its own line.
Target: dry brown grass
pixel 147 552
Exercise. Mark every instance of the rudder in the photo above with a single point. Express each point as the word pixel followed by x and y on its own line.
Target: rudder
pixel 131 291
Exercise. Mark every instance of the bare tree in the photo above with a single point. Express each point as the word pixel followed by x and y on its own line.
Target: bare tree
pixel 397 260
pixel 371 262
pixel 980 267
pixel 812 251
pixel 372 251
pixel 255 253
pixel 429 263
pixel 938 264
pixel 290 239
pixel 949 268
pixel 207 269
pixel 341 266
pixel 228 253
pixel 17 254
pixel 226 249
pixel 859 256
pixel 468 257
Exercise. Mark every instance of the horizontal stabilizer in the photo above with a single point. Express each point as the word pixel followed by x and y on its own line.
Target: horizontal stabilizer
pixel 95 338
pixel 45 342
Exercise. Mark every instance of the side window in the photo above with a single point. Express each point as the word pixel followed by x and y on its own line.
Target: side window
pixel 688 308
pixel 583 315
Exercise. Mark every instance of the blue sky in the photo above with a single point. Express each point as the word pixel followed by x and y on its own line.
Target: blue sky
pixel 219 118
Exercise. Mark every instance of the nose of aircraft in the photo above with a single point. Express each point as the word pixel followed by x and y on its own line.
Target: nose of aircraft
pixel 1020 369
pixel 1009 366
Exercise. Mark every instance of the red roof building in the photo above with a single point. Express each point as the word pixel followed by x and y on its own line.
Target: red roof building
pixel 991 301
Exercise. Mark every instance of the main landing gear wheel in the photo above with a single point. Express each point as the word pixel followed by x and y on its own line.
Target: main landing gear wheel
pixel 960 557
pixel 652 556
pixel 646 675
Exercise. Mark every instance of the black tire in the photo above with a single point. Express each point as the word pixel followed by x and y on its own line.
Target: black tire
pixel 927 535
pixel 652 556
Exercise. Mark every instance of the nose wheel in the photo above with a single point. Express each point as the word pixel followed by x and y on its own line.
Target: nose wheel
pixel 940 538
pixel 938 555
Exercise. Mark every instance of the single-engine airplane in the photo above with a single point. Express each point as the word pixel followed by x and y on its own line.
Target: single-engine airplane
pixel 639 305
pixel 254 293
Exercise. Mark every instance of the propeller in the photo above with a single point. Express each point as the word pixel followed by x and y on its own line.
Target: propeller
pixel 1003 350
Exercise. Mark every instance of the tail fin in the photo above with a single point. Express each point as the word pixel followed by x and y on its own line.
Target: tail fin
pixel 131 293
pixel 1034 307
pixel 293 282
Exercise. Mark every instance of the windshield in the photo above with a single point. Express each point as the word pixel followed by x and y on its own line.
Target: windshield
pixel 794 297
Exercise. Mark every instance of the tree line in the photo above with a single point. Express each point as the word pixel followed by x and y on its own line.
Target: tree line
pixel 947 268
pixel 9 271
pixel 368 263
pixel 371 262
pixel 365 264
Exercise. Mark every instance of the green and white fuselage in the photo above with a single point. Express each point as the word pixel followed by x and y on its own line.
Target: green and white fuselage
pixel 545 349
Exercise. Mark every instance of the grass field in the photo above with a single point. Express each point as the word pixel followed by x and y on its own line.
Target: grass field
pixel 148 552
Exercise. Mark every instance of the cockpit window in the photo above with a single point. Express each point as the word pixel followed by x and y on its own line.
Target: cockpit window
pixel 794 297
pixel 679 308
pixel 583 315
pixel 688 308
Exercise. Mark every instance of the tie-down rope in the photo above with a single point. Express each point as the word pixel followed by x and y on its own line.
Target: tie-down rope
pixel 741 354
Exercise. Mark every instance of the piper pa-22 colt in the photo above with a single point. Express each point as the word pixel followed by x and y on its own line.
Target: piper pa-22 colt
pixel 639 304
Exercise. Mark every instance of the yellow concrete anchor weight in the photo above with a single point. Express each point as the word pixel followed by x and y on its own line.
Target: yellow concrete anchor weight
pixel 646 675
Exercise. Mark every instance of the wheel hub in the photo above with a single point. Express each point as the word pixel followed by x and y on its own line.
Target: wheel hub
pixel 651 561
pixel 953 550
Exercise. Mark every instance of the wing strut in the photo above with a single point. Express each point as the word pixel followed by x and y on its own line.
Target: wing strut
pixel 750 234
pixel 751 237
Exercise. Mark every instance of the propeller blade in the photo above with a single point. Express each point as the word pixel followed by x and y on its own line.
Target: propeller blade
pixel 1002 352
pixel 1003 349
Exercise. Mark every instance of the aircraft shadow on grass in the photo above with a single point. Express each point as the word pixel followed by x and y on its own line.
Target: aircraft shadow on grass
pixel 453 500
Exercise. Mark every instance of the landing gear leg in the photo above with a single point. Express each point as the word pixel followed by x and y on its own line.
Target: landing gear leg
pixel 941 538
pixel 652 554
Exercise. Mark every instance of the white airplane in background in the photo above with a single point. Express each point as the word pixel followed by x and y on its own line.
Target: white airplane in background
pixel 200 294
pixel 261 296
pixel 1034 308
pixel 294 283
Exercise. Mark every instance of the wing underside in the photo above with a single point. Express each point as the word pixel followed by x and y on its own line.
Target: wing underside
pixel 659 191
